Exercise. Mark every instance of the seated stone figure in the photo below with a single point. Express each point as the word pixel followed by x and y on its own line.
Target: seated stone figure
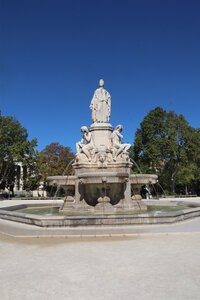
pixel 118 146
pixel 88 146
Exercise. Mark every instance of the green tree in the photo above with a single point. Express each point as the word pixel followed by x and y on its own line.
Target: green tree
pixel 54 159
pixel 186 175
pixel 15 148
pixel 164 144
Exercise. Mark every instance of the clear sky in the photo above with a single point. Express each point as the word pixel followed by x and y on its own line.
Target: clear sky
pixel 53 53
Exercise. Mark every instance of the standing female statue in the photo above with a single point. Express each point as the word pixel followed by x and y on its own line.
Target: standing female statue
pixel 101 105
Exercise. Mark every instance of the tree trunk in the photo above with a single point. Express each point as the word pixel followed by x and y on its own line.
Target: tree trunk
pixel 186 189
pixel 173 179
pixel 173 185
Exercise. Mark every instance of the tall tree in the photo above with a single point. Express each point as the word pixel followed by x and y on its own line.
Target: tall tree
pixel 165 143
pixel 15 148
pixel 54 159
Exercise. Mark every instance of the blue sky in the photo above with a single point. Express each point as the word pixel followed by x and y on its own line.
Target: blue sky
pixel 53 53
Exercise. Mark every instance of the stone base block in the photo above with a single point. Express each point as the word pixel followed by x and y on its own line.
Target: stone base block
pixel 104 205
pixel 76 207
pixel 139 205
pixel 136 197
pixel 133 205
pixel 68 204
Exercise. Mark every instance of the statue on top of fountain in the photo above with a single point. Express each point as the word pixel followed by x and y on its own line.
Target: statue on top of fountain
pixel 100 144
pixel 101 105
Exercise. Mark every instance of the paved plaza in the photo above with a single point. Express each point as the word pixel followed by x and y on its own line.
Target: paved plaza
pixel 143 267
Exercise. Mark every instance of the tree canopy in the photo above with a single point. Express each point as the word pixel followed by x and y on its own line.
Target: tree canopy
pixel 165 144
pixel 54 159
pixel 16 148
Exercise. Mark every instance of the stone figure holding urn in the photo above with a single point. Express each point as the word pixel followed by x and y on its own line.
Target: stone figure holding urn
pixel 101 105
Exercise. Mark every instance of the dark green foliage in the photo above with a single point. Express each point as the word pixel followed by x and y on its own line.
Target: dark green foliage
pixel 165 144
pixel 15 148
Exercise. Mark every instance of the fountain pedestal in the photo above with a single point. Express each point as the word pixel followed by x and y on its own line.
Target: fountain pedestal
pixel 103 205
pixel 68 204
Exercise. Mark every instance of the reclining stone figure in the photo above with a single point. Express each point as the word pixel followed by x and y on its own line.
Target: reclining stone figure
pixel 88 146
pixel 118 146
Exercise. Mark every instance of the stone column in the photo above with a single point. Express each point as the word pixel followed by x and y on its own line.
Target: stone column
pixel 127 194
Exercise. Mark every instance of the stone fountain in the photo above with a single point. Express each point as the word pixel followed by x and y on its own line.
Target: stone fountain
pixel 102 182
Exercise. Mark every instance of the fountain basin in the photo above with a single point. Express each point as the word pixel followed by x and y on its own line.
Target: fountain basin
pixel 97 185
pixel 142 179
pixel 11 213
pixel 135 179
pixel 61 180
pixel 103 177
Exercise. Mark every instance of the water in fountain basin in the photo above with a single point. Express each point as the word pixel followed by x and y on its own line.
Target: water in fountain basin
pixel 54 211
pixel 65 171
pixel 59 186
pixel 161 188
pixel 136 165
pixel 138 168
